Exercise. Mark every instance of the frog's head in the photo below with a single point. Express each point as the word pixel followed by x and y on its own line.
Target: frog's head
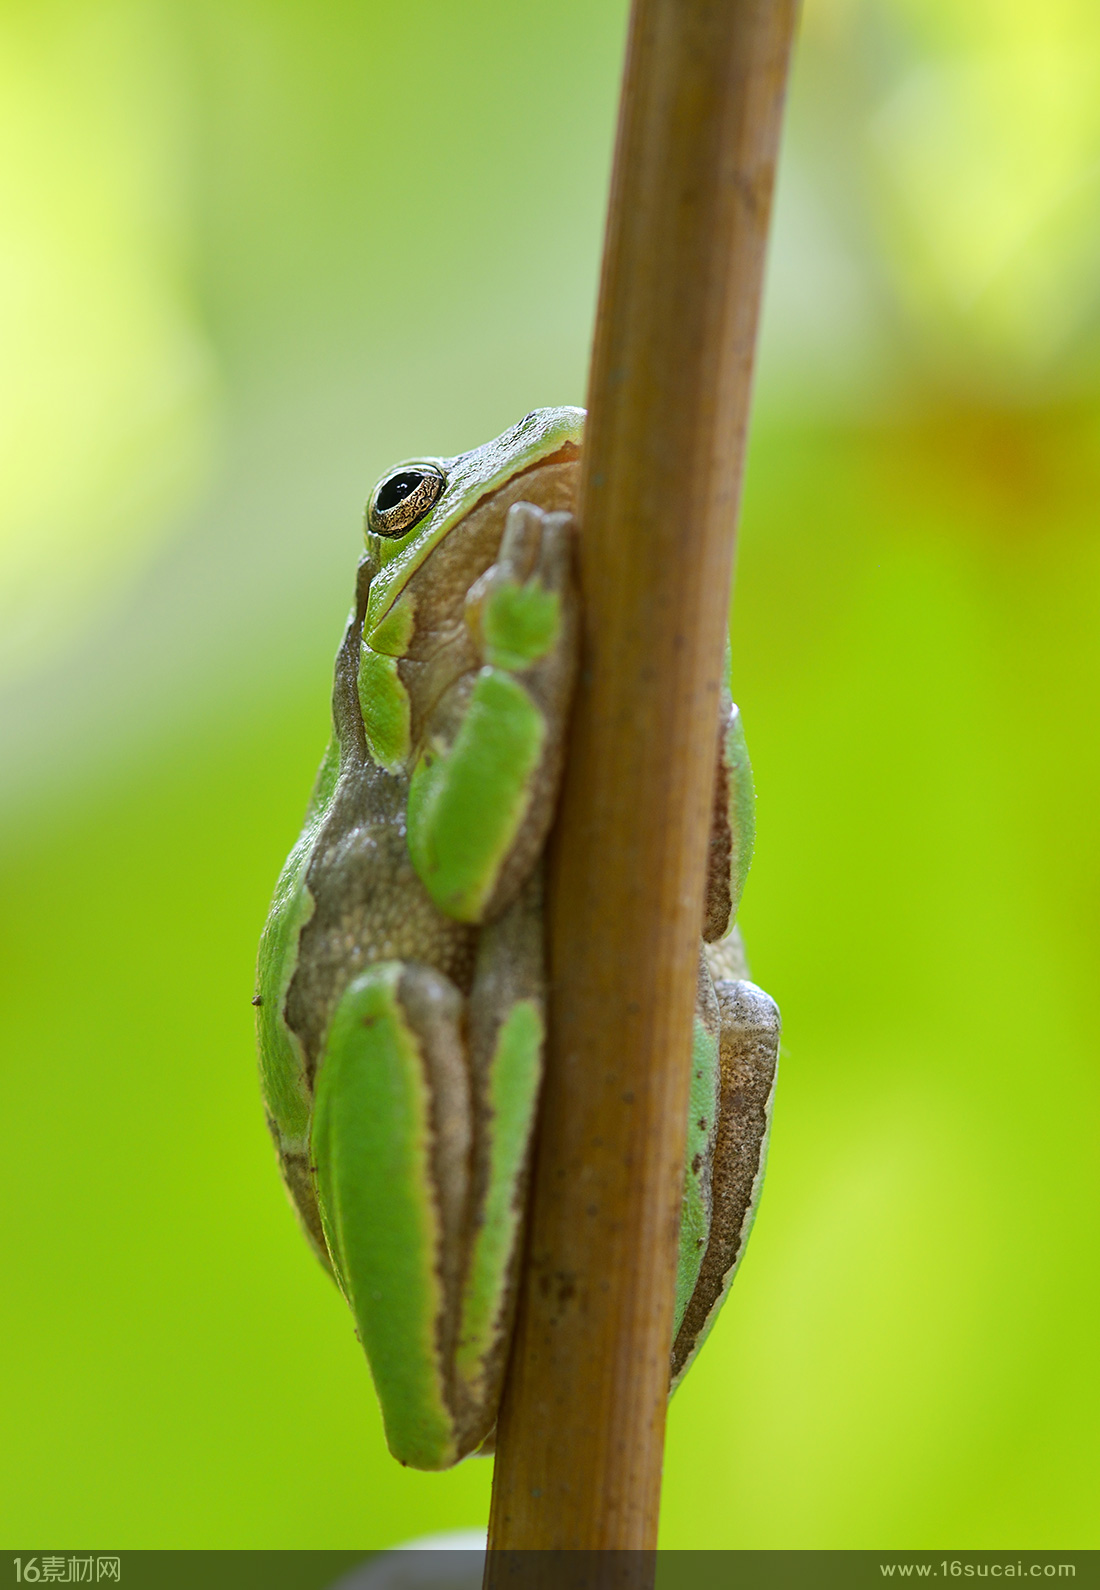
pixel 417 503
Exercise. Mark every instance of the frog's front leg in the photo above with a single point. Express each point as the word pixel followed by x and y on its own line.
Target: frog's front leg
pixel 733 824
pixel 422 1121
pixel 485 782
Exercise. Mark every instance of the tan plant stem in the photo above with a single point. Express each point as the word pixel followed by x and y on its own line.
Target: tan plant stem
pixel 582 1425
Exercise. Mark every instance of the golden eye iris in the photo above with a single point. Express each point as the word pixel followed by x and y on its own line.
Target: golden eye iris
pixel 402 499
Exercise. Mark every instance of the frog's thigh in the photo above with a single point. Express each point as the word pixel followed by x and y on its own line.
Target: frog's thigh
pixel 391 1140
pixel 506 1033
pixel 702 1132
pixel 748 1048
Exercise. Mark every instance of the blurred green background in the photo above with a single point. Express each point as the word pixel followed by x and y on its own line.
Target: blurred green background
pixel 255 250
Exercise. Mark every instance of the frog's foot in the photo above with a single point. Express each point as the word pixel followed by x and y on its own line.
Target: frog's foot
pixel 515 610
pixel 416 1152
pixel 748 1052
pixel 528 616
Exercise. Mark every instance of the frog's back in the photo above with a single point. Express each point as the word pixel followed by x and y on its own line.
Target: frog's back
pixel 368 905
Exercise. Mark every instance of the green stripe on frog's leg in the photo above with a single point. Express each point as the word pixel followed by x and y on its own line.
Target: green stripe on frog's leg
pixel 466 805
pixel 512 1087
pixel 282 1062
pixel 695 1211
pixel 387 715
pixel 372 1149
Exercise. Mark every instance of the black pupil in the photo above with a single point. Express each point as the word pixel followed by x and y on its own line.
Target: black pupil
pixel 396 489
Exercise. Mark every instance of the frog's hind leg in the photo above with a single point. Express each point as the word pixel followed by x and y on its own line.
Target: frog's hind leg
pixel 748 1048
pixel 702 1134
pixel 391 1143
pixel 506 1034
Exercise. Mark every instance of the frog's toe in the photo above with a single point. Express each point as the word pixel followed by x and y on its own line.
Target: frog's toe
pixel 555 569
pixel 521 541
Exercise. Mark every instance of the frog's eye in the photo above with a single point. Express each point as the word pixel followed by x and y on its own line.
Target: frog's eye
pixel 402 499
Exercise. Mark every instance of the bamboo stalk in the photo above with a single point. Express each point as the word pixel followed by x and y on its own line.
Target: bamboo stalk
pixel 582 1426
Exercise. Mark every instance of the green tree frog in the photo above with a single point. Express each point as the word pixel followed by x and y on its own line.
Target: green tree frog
pixel 401 983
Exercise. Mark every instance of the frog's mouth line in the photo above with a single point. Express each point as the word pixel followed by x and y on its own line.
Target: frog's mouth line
pixel 567 453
